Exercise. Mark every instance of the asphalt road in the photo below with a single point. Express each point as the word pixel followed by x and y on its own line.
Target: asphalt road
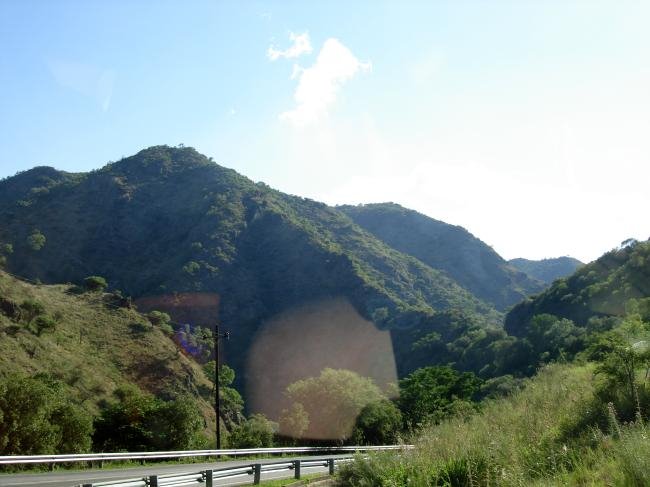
pixel 71 478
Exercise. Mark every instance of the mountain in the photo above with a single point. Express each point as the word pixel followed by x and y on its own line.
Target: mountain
pixel 448 248
pixel 547 270
pixel 93 344
pixel 599 290
pixel 180 233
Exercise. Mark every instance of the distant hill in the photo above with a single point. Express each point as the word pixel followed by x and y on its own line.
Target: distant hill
pixel 452 249
pixel 547 270
pixel 600 289
pixel 94 347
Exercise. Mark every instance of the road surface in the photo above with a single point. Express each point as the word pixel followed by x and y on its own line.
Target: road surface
pixel 71 478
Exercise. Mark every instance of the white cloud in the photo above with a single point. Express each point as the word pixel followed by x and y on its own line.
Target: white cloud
pixel 300 46
pixel 319 85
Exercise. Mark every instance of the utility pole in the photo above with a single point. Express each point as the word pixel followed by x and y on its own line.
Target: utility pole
pixel 217 399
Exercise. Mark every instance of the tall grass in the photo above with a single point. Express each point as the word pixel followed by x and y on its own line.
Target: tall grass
pixel 520 440
pixel 513 441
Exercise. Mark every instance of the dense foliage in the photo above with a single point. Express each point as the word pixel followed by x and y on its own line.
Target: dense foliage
pixel 64 354
pixel 141 422
pixel 37 417
pixel 433 393
pixel 547 270
pixel 600 289
pixel 329 405
pixel 169 221
pixel 449 248
pixel 584 423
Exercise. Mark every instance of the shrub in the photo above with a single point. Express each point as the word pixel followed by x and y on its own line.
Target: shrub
pixel 378 423
pixel 43 323
pixel 162 321
pixel 333 402
pixel 36 240
pixel 95 283
pixel 255 432
pixel 37 418
pixel 31 309
pixel 429 394
pixel 141 422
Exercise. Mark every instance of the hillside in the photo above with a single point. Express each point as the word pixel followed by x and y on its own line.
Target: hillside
pixel 94 347
pixel 449 248
pixel 169 221
pixel 547 270
pixel 598 290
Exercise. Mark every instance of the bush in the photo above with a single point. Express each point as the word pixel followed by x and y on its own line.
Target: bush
pixel 141 422
pixel 36 240
pixel 31 309
pixel 37 418
pixel 256 432
pixel 158 318
pixel 429 394
pixel 95 284
pixel 43 323
pixel 162 321
pixel 333 402
pixel 378 423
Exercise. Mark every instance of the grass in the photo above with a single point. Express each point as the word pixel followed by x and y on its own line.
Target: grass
pixel 519 440
pixel 305 479
pixel 95 348
pixel 513 441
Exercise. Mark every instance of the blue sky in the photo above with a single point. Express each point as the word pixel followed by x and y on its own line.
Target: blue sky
pixel 525 121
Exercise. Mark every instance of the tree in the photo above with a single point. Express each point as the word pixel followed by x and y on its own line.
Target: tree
pixel 294 421
pixel 552 337
pixel 333 401
pixel 255 432
pixel 36 240
pixel 175 425
pixel 429 393
pixel 95 284
pixel 379 423
pixel 141 422
pixel 232 403
pixel 37 418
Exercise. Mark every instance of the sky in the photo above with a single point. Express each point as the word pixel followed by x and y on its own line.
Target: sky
pixel 526 122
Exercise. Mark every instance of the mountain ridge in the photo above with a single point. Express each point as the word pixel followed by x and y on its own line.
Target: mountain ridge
pixel 449 248
pixel 549 269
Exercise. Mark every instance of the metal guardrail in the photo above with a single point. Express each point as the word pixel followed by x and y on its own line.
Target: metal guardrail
pixel 207 477
pixel 99 457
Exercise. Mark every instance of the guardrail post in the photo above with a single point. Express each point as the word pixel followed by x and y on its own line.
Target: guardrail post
pixel 257 473
pixel 330 465
pixel 208 477
pixel 153 481
pixel 296 469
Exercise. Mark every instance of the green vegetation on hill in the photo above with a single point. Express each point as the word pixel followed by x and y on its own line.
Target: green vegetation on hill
pixel 169 220
pixel 76 352
pixel 584 422
pixel 451 249
pixel 596 293
pixel 547 270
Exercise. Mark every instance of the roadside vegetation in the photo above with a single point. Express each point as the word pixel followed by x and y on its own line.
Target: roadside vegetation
pixel 578 423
